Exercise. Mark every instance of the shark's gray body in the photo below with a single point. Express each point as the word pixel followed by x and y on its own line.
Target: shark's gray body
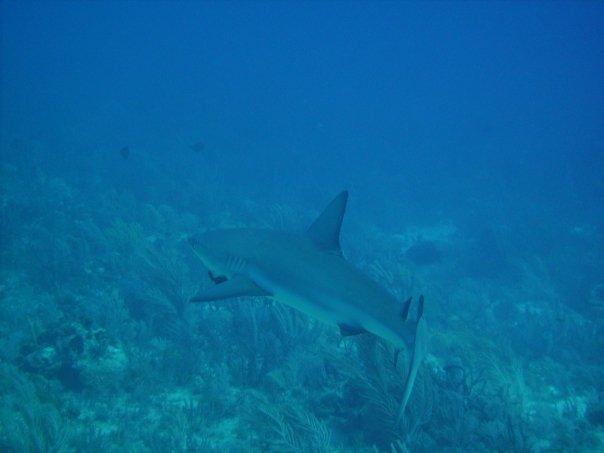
pixel 309 273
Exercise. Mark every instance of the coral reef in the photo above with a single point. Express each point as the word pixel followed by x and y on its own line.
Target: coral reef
pixel 100 351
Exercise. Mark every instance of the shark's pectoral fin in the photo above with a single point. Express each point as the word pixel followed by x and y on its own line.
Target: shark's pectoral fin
pixel 235 287
pixel 347 330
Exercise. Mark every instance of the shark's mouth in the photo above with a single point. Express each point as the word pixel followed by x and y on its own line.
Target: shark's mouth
pixel 196 246
pixel 217 279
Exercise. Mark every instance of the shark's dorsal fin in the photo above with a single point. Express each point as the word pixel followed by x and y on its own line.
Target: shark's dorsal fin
pixel 325 231
pixel 235 287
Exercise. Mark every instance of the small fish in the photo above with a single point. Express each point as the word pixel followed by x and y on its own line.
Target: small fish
pixel 197 146
pixel 125 152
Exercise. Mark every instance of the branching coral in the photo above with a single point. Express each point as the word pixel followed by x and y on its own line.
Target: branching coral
pixel 294 428
pixel 96 284
pixel 26 422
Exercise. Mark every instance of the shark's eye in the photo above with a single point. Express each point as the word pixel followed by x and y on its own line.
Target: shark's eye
pixel 192 241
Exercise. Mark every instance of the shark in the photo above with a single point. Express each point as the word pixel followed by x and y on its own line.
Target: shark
pixel 308 272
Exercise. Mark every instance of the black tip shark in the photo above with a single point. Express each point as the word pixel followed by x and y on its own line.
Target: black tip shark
pixel 308 272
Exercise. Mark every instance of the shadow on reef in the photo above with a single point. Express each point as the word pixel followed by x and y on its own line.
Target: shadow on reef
pixel 423 253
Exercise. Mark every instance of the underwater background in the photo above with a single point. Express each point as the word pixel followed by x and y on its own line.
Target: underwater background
pixel 470 136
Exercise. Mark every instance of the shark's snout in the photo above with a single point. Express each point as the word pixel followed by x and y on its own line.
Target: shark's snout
pixel 197 244
pixel 201 242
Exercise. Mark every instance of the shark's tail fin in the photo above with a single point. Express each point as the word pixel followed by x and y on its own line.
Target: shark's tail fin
pixel 419 351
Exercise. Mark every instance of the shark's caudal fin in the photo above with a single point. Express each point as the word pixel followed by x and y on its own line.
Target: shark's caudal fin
pixel 419 350
pixel 325 231
pixel 236 287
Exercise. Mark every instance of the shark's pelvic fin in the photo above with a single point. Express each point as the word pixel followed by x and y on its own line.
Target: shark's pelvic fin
pixel 347 330
pixel 235 287
pixel 325 231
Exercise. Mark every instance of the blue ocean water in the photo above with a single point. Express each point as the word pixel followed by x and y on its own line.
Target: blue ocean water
pixel 469 136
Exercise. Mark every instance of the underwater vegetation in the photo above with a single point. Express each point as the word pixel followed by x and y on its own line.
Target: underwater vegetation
pixel 100 349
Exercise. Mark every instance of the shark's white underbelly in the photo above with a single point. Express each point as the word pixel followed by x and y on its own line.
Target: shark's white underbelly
pixel 314 307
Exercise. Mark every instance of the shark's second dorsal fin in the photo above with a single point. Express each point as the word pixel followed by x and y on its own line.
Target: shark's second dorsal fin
pixel 325 231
